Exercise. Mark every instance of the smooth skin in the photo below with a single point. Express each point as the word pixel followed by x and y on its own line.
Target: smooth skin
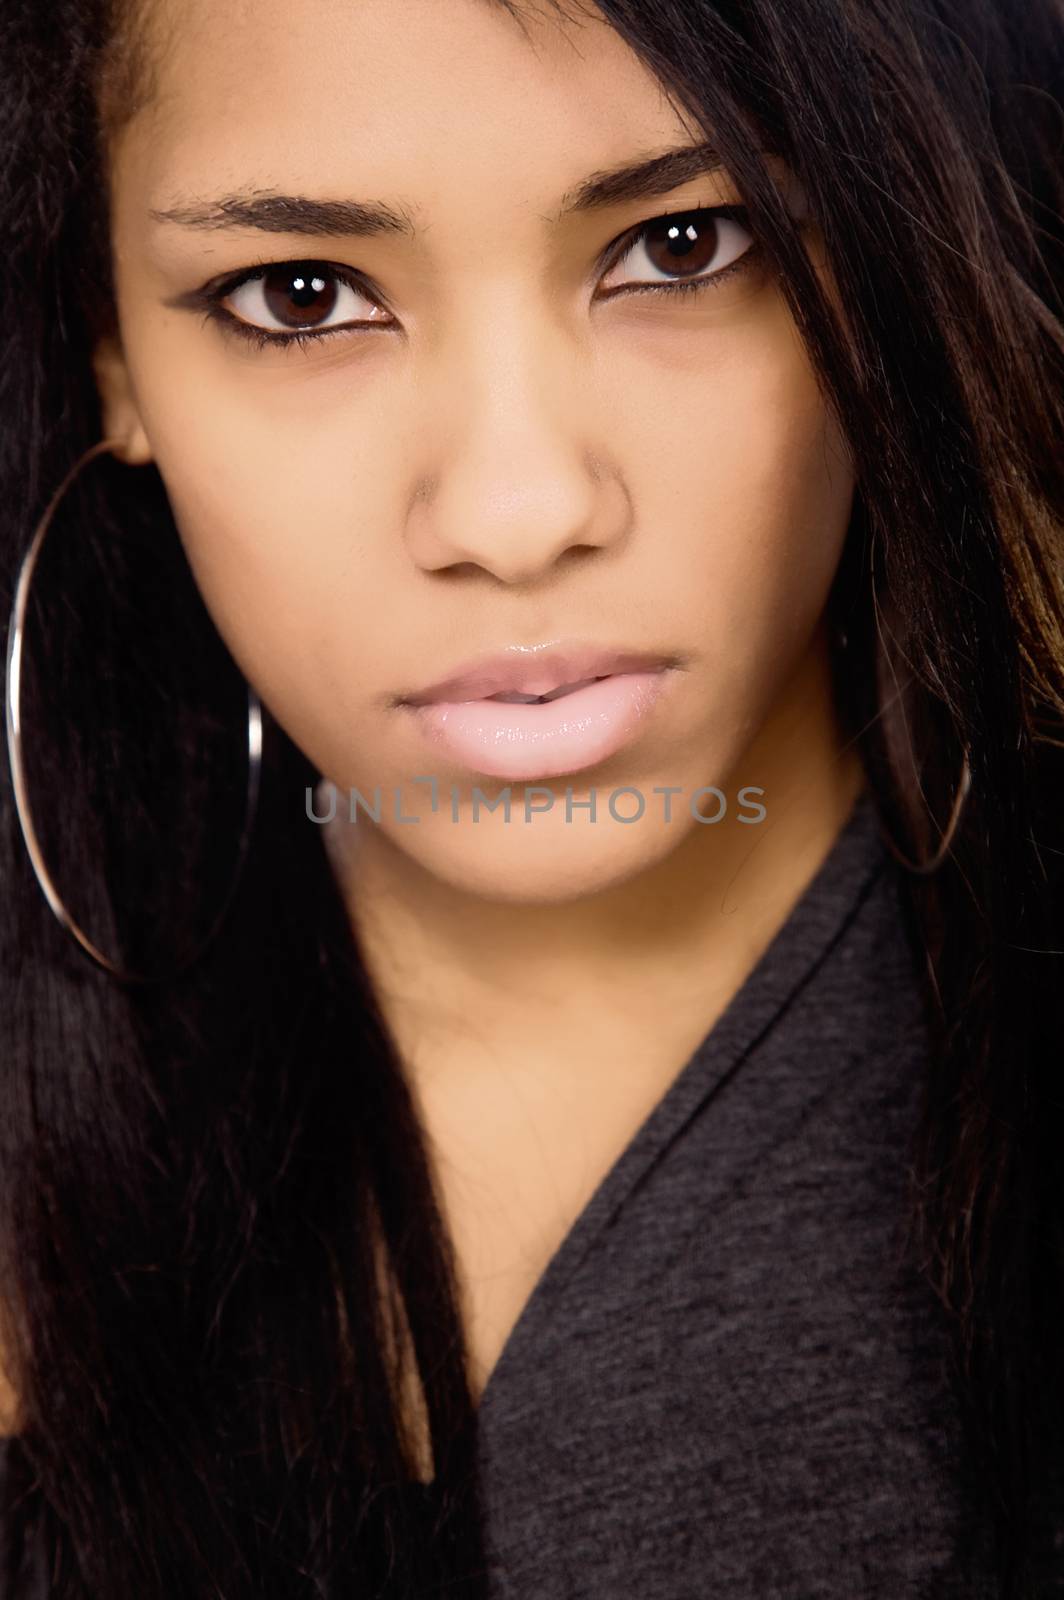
pixel 502 454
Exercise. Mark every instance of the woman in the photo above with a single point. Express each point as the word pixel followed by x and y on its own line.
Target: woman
pixel 600 1141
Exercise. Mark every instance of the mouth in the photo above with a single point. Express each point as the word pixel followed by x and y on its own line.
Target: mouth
pixel 523 737
pixel 521 675
pixel 542 699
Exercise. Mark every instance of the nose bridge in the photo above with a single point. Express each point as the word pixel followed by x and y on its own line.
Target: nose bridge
pixel 517 479
pixel 513 376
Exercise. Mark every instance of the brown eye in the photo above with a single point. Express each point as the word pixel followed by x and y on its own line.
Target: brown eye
pixel 300 297
pixel 683 245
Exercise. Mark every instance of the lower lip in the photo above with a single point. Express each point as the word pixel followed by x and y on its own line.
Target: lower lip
pixel 518 742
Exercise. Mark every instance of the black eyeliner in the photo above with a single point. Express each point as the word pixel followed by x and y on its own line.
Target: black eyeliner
pixel 208 298
pixel 209 294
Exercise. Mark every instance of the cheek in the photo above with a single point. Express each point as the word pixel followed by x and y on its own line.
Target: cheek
pixel 748 483
pixel 283 551
pixel 784 495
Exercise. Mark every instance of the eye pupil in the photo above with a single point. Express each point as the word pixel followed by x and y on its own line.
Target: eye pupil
pixel 688 239
pixel 298 298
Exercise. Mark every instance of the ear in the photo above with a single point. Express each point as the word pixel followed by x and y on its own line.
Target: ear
pixel 118 403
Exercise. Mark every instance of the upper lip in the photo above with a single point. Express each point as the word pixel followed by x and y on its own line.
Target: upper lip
pixel 531 669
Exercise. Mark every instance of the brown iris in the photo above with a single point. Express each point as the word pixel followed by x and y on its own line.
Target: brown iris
pixel 686 239
pixel 299 296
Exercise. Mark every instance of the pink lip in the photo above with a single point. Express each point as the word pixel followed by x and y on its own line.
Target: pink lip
pixel 522 670
pixel 523 742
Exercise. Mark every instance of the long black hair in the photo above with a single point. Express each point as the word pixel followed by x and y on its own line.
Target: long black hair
pixel 221 1252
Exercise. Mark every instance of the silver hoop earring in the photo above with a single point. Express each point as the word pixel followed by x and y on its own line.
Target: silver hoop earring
pixel 18 771
pixel 925 868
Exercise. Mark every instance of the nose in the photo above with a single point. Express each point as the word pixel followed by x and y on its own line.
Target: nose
pixel 518 483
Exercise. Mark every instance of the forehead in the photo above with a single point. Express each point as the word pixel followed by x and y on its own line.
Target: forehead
pixel 421 93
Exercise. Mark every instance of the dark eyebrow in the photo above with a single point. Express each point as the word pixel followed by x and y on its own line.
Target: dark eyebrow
pixel 638 180
pixel 288 213
pixel 283 213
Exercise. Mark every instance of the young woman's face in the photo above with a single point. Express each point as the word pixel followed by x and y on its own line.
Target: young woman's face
pixel 506 439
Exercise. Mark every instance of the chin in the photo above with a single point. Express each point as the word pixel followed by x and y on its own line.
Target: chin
pixel 546 861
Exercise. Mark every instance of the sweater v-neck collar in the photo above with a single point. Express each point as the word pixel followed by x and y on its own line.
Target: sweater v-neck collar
pixel 815 924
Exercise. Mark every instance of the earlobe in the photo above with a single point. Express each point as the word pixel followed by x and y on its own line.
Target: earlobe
pixel 118 405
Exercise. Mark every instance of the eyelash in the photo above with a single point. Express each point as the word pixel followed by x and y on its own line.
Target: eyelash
pixel 211 299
